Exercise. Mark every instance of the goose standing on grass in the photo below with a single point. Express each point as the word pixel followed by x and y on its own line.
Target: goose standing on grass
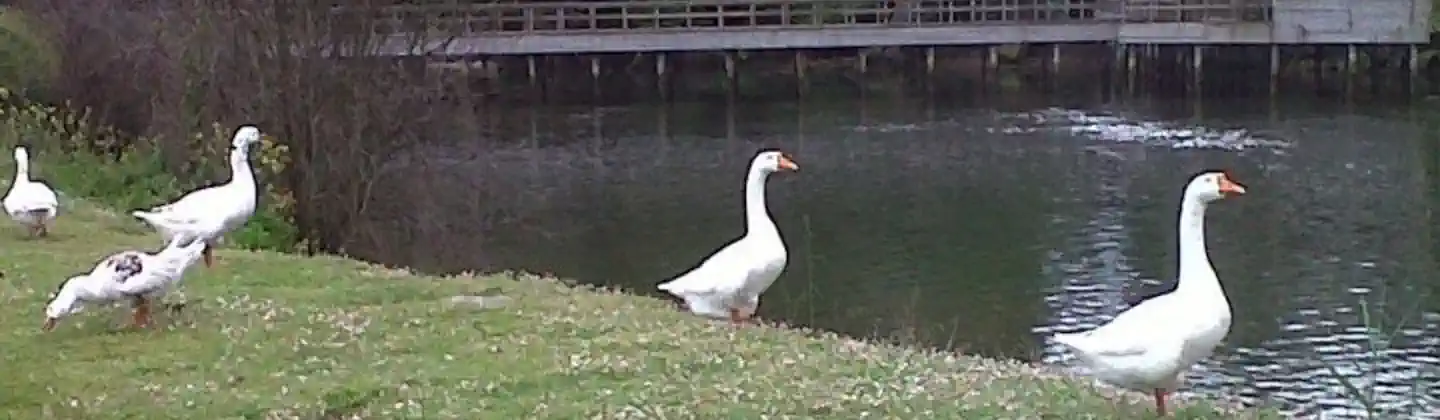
pixel 136 276
pixel 31 203
pixel 1149 347
pixel 728 284
pixel 208 213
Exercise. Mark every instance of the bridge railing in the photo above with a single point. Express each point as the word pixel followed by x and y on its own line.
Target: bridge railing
pixel 573 17
pixel 1214 11
pixel 585 17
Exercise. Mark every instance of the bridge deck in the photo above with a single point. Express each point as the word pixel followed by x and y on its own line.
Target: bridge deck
pixel 698 25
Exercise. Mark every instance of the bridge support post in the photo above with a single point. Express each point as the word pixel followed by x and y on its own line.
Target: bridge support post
pixel 929 62
pixel 662 84
pixel 1131 63
pixel 731 78
pixel 1197 68
pixel 1054 65
pixel 484 64
pixel 1351 69
pixel 992 65
pixel 802 82
pixel 533 72
pixel 594 78
pixel 1146 67
pixel 1274 69
pixel 1117 69
pixel 1414 63
pixel 862 65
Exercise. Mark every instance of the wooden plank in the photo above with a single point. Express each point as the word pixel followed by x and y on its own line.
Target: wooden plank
pixel 724 13
pixel 680 25
pixel 759 39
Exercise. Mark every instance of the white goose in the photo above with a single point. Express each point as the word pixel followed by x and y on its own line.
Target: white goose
pixel 131 275
pixel 30 203
pixel 730 281
pixel 209 213
pixel 1148 347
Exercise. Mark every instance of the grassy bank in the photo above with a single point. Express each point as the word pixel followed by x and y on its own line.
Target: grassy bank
pixel 270 335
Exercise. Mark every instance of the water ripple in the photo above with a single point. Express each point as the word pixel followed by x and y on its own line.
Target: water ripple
pixel 1115 128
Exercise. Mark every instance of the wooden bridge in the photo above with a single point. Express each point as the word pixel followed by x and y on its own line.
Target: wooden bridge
pixel 456 28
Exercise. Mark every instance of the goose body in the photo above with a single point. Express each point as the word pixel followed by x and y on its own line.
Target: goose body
pixel 137 276
pixel 209 213
pixel 30 203
pixel 1149 347
pixel 728 283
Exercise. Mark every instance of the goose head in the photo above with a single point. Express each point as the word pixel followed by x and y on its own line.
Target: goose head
pixel 63 302
pixel 773 160
pixel 21 154
pixel 1212 185
pixel 245 135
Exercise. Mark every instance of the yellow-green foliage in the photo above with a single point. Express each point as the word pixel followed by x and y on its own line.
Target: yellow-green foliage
pixel 134 175
pixel 28 61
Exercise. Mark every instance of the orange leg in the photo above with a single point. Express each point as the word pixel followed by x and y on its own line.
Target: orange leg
pixel 741 316
pixel 1160 402
pixel 142 313
pixel 736 318
pixel 209 258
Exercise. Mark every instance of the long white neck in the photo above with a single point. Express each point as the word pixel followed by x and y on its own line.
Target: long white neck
pixel 65 298
pixel 1196 273
pixel 90 286
pixel 241 176
pixel 757 217
pixel 22 170
pixel 182 255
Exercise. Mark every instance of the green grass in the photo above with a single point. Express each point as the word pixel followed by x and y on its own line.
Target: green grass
pixel 269 335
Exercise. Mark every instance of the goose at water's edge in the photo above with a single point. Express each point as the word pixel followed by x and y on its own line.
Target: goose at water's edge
pixel 209 213
pixel 134 275
pixel 30 203
pixel 729 282
pixel 1149 346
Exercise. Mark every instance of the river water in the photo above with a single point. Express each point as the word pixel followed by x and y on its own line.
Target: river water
pixel 981 229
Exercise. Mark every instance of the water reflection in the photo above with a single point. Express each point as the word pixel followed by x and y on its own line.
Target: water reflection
pixel 978 229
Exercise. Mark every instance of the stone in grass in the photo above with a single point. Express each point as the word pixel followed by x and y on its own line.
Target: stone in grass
pixel 479 302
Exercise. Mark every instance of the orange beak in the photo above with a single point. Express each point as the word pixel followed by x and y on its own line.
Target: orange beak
pixel 49 324
pixel 787 164
pixel 1230 188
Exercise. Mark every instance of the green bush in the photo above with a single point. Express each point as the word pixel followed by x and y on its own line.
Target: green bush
pixel 28 62
pixel 134 176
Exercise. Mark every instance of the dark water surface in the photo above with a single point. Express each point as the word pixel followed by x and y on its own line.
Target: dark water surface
pixel 981 229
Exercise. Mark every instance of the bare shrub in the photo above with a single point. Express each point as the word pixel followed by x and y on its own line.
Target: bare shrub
pixel 315 78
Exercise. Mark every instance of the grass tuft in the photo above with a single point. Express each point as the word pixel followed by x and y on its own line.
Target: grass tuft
pixel 1364 388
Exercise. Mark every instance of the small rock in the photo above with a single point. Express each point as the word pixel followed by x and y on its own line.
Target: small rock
pixel 480 302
